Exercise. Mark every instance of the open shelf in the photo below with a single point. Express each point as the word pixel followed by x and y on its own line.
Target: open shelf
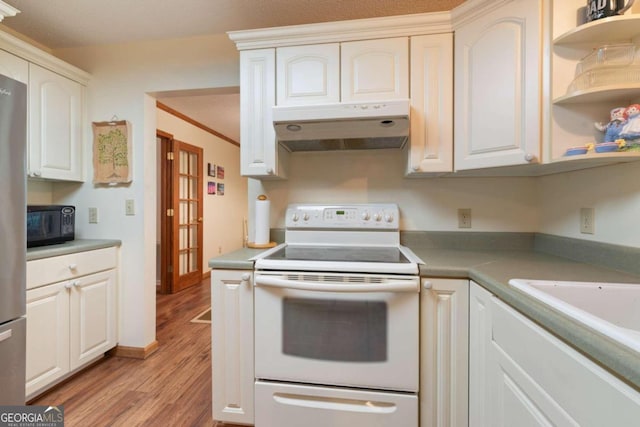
pixel 615 28
pixel 601 93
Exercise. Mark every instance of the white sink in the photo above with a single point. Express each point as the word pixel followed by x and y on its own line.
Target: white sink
pixel 612 309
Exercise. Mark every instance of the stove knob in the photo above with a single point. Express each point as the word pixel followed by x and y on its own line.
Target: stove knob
pixel 365 216
pixel 377 216
pixel 305 216
pixel 388 217
pixel 294 217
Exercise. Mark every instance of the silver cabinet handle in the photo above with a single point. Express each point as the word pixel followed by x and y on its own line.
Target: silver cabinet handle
pixel 427 284
pixel 73 266
pixel 5 335
pixel 529 157
pixel 245 277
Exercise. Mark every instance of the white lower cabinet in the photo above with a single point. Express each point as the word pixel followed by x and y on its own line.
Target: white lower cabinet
pixel 70 323
pixel 520 374
pixel 444 310
pixel 232 346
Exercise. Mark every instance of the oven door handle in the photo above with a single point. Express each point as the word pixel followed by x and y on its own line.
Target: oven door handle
pixel 390 286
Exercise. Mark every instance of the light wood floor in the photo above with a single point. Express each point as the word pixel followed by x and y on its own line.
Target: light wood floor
pixel 170 388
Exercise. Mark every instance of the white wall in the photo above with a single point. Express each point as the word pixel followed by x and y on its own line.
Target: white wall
pixel 223 215
pixel 614 193
pixel 122 78
pixel 497 204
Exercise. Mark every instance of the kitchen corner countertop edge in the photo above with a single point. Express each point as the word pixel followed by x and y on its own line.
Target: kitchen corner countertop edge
pixel 493 269
pixel 74 246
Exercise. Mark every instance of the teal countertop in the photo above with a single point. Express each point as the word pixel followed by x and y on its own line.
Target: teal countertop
pixel 513 255
pixel 78 245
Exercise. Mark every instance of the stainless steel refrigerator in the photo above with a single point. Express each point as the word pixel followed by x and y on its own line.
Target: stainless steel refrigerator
pixel 13 140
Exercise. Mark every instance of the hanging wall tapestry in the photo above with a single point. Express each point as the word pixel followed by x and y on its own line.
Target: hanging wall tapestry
pixel 111 152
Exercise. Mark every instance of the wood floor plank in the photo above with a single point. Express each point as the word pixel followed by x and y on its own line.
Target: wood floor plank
pixel 171 388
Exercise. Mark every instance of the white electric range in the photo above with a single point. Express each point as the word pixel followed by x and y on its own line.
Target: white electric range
pixel 336 321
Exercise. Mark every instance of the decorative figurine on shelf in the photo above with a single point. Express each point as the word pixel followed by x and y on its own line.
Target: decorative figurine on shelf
pixel 613 129
pixel 631 128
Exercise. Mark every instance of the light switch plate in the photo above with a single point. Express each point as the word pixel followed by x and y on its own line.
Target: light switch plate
pixel 129 207
pixel 93 215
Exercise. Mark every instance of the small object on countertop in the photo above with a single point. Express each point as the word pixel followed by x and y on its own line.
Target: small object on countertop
pixel 576 151
pixel 607 147
pixel 615 126
pixel 631 128
pixel 262 229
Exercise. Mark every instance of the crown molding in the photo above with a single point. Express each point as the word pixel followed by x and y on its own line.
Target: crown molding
pixel 471 10
pixel 27 51
pixel 7 10
pixel 340 31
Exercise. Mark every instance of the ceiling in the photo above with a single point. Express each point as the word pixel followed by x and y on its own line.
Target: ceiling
pixel 71 23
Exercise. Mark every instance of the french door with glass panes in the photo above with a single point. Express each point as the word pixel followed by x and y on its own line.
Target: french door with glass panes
pixel 187 215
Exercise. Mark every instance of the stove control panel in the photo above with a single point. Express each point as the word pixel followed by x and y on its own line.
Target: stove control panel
pixel 359 216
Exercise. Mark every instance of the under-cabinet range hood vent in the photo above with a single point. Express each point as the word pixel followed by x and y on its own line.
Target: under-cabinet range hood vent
pixel 344 126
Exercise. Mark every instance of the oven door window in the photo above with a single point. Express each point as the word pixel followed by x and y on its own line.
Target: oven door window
pixel 335 330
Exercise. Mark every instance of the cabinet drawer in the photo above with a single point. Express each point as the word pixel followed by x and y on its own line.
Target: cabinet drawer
pixel 55 269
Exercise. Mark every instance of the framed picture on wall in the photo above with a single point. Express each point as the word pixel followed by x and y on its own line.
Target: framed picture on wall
pixel 220 172
pixel 220 189
pixel 211 187
pixel 211 169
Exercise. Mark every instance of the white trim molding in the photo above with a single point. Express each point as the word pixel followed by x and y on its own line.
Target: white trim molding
pixel 339 31
pixel 472 9
pixel 7 10
pixel 31 53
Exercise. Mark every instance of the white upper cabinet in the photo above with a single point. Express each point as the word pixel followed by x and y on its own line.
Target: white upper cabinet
pixel 430 148
pixel 375 70
pixel 308 74
pixel 14 67
pixel 497 87
pixel 55 126
pixel 354 61
pixel 56 116
pixel 258 145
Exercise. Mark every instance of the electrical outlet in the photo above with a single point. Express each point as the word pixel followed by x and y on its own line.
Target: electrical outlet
pixel 129 207
pixel 587 220
pixel 464 218
pixel 93 215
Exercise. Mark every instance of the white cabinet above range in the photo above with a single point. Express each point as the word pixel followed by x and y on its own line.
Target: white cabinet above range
pixel 363 64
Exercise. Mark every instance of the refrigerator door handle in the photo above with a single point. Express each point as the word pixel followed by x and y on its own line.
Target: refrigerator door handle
pixel 5 335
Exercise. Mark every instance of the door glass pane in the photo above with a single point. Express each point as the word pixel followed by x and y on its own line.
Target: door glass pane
pixel 193 188
pixel 183 237
pixel 193 236
pixel 336 330
pixel 193 260
pixel 182 263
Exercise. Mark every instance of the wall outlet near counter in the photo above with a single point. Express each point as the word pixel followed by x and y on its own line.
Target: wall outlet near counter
pixel 587 221
pixel 464 218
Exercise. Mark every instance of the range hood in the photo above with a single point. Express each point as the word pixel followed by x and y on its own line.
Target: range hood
pixel 343 126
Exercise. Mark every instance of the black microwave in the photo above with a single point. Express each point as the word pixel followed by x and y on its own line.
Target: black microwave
pixel 50 224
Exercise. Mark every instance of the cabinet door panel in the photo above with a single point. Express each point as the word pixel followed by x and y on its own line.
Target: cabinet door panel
pixel 444 353
pixel 47 336
pixel 375 70
pixel 259 151
pixel 431 142
pixel 497 80
pixel 232 346
pixel 308 74
pixel 55 126
pixel 93 311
